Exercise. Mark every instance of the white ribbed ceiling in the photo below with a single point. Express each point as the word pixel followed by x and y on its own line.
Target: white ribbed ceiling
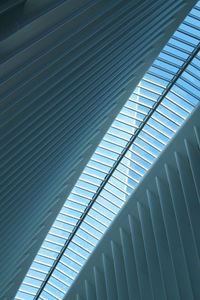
pixel 64 76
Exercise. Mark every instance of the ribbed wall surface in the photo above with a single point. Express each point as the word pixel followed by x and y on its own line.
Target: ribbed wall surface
pixel 64 76
pixel 152 249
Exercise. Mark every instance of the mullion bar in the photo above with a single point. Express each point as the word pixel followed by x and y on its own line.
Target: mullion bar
pixel 82 247
pixel 112 134
pixel 98 221
pixel 46 256
pixel 135 164
pixel 66 265
pixel 112 193
pixel 111 142
pixel 189 82
pixel 67 222
pixel 173 55
pixel 192 74
pixel 49 249
pixel 188 33
pixel 114 204
pixel 159 131
pixel 73 209
pixel 59 279
pixel 90 179
pixel 114 126
pixel 184 41
pixel 83 188
pixel 177 47
pixel 143 98
pixel 86 172
pixel 72 259
pixel 149 143
pixel 88 232
pixel 50 293
pixel 62 229
pixel 26 292
pixel 96 168
pixel 194 16
pixel 53 242
pixel 66 274
pixel 141 156
pixel 37 270
pixel 181 97
pixel 194 64
pixel 184 109
pixel 46 260
pixel 116 187
pixel 142 103
pixel 94 209
pixel 138 110
pixel 29 284
pixel 136 154
pixel 42 263
pixel 104 156
pixel 173 64
pixel 75 252
pixel 153 136
pixel 124 123
pixel 148 89
pixel 154 117
pixel 98 161
pixel 109 210
pixel 41 297
pixel 171 110
pixel 67 205
pixel 163 69
pixel 129 168
pixel 131 117
pixel 105 148
pixel 157 75
pixel 150 72
pixel 151 87
pixel 81 236
pixel 89 182
pixel 128 177
pixel 191 25
pixel 34 277
pixel 56 287
pixel 153 82
pixel 187 91
pixel 143 149
pixel 89 224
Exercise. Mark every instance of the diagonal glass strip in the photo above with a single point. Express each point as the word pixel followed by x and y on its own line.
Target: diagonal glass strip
pixel 157 108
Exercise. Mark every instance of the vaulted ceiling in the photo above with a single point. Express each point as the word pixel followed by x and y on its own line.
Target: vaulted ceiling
pixel 67 67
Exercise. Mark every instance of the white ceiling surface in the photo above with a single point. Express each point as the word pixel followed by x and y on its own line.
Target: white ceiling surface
pixel 64 75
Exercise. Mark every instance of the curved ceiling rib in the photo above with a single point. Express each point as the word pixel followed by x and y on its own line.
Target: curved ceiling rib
pixel 157 108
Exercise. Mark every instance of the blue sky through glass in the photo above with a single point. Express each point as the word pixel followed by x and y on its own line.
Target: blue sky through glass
pixel 177 94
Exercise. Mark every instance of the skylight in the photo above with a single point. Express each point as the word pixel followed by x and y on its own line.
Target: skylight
pixel 163 99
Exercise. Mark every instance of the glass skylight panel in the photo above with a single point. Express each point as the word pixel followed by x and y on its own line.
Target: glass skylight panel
pixel 158 106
